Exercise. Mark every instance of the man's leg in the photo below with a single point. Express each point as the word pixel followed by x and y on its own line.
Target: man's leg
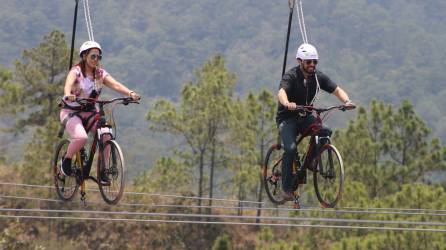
pixel 288 134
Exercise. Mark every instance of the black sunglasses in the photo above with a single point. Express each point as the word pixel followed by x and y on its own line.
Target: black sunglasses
pixel 314 61
pixel 95 57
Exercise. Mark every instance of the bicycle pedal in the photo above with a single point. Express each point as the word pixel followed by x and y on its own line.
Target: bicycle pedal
pixel 296 204
pixel 83 199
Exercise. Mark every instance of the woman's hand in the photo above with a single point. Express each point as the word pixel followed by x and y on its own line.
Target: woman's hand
pixel 70 98
pixel 135 96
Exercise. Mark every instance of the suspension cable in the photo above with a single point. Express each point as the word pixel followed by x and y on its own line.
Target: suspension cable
pixel 229 223
pixel 226 216
pixel 88 20
pixel 368 211
pixel 301 10
pixel 290 19
pixel 73 34
pixel 142 193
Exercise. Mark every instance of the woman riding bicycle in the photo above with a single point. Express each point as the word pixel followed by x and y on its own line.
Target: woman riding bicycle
pixel 85 80
pixel 300 86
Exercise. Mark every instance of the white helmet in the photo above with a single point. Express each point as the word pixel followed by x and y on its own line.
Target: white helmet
pixel 307 51
pixel 89 45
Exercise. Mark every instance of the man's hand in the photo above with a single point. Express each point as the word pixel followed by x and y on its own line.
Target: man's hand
pixel 349 105
pixel 291 106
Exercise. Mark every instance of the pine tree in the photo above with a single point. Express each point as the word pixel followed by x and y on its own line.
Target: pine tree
pixel 201 118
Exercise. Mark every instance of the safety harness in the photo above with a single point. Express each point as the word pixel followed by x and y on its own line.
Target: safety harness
pixel 76 112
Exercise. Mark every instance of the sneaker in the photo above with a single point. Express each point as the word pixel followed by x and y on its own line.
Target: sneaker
pixel 65 166
pixel 104 177
pixel 296 204
pixel 287 196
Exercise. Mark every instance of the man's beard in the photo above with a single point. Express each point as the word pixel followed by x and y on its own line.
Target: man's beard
pixel 308 71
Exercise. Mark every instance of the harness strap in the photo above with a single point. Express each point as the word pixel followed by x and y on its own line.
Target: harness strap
pixel 64 122
pixel 69 116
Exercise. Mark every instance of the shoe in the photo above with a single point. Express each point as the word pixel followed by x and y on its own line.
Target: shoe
pixel 296 204
pixel 104 177
pixel 287 196
pixel 65 166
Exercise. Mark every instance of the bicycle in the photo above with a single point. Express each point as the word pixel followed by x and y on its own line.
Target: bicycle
pixel 321 157
pixel 110 160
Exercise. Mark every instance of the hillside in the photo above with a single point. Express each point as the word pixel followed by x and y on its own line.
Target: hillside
pixel 386 50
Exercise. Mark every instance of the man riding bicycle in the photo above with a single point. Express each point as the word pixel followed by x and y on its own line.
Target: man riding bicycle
pixel 300 86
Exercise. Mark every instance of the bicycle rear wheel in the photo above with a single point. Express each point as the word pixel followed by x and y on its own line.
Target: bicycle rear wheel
pixel 272 174
pixel 113 166
pixel 66 186
pixel 329 176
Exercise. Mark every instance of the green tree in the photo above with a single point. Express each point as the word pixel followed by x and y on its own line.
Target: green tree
pixel 167 174
pixel 9 90
pixel 201 117
pixel 385 149
pixel 38 81
pixel 265 130
pixel 242 153
pixel 30 98
pixel 222 243
pixel 252 131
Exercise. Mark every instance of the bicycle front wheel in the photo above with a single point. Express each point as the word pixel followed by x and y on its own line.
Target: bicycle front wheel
pixel 272 174
pixel 66 186
pixel 329 176
pixel 111 172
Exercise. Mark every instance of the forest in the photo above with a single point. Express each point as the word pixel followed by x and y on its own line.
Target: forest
pixel 208 72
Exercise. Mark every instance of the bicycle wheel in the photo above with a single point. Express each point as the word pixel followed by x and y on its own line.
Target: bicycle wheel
pixel 112 165
pixel 66 186
pixel 272 174
pixel 329 176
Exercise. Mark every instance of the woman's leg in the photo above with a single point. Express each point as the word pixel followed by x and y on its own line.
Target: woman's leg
pixel 78 139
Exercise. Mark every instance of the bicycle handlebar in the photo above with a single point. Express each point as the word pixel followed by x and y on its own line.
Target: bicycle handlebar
pixel 322 110
pixel 124 100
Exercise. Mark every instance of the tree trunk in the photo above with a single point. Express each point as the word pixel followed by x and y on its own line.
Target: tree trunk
pixel 200 179
pixel 259 199
pixel 260 191
pixel 211 179
pixel 240 203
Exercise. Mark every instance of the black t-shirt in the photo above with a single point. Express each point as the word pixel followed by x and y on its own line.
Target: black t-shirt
pixel 299 92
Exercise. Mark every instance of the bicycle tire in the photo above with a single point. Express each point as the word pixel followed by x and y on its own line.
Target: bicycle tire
pixel 272 176
pixel 112 192
pixel 328 177
pixel 66 186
